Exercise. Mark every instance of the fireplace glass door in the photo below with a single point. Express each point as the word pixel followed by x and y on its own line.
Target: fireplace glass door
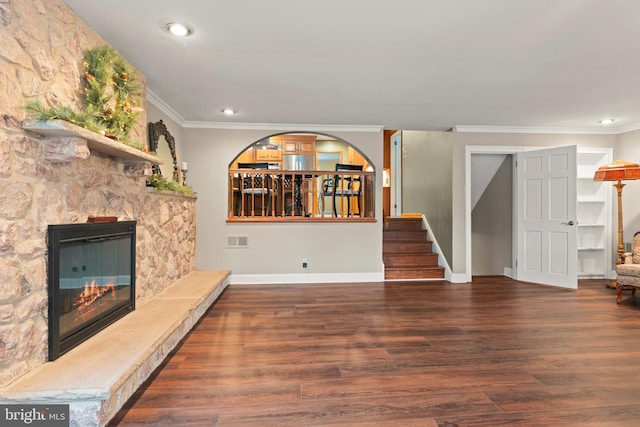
pixel 91 282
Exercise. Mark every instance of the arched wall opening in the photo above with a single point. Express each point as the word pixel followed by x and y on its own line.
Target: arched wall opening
pixel 266 149
pixel 286 176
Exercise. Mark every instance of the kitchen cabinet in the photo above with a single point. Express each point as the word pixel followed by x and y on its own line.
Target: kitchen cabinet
pixel 297 144
pixel 268 155
pixel 246 156
pixel 355 158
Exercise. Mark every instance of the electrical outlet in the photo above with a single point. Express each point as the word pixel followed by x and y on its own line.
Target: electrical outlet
pixel 305 264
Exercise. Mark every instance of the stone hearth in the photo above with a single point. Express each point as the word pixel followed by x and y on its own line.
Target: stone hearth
pixel 98 377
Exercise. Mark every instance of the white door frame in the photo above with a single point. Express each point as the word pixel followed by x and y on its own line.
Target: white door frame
pixel 396 174
pixel 485 149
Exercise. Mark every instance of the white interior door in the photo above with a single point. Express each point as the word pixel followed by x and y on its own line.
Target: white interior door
pixel 546 202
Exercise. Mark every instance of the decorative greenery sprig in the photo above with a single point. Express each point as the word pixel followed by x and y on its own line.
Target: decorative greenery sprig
pixel 85 118
pixel 112 98
pixel 161 183
pixel 111 91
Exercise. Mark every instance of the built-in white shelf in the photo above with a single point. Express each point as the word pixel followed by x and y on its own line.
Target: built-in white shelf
pixel 594 214
pixel 96 142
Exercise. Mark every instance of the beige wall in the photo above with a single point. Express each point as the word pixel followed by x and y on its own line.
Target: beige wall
pixel 491 223
pixel 334 251
pixel 426 181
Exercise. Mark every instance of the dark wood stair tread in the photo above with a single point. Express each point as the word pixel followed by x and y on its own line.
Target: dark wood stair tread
pixel 417 261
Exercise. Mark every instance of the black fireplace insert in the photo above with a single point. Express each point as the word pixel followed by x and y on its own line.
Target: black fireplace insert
pixel 91 279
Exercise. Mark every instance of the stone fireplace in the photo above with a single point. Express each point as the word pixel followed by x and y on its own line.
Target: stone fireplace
pixel 91 280
pixel 44 46
pixel 42 192
pixel 62 179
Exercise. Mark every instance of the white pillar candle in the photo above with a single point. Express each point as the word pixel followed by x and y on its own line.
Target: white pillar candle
pixel 184 166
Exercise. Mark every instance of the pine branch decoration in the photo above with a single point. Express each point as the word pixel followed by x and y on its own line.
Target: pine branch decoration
pixel 112 98
pixel 111 91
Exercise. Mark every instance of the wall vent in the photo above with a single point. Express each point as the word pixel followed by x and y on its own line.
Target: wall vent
pixel 237 241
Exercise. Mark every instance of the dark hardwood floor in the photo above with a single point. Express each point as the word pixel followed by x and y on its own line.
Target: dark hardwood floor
pixel 495 352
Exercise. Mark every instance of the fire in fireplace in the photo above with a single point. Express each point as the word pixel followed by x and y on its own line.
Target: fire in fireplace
pixel 91 279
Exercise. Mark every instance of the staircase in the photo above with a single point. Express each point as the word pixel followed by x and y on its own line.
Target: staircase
pixel 406 252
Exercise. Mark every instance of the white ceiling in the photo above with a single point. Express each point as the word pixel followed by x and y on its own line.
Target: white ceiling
pixel 400 64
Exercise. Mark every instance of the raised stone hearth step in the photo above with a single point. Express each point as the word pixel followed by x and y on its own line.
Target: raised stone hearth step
pixel 97 378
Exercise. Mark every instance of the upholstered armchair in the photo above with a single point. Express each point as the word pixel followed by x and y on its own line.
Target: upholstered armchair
pixel 629 272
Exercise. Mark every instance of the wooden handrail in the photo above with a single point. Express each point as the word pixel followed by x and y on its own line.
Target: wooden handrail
pixel 308 195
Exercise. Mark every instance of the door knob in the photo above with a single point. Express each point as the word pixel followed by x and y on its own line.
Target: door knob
pixel 569 223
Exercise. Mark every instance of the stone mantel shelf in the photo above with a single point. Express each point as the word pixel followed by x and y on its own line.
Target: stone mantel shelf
pixel 97 142
pixel 152 190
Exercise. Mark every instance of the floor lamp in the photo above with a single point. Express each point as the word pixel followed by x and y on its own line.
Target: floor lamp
pixel 618 171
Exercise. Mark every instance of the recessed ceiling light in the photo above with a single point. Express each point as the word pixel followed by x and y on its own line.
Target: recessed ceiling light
pixel 229 111
pixel 606 121
pixel 178 29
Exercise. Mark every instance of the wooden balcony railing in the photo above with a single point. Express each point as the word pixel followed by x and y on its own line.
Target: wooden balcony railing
pixel 279 195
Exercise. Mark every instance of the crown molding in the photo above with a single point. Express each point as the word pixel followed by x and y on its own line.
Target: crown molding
pixel 532 129
pixel 556 130
pixel 282 127
pixel 629 128
pixel 176 117
pixel 164 107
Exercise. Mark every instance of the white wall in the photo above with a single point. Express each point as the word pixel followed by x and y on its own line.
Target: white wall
pixel 463 139
pixel 334 251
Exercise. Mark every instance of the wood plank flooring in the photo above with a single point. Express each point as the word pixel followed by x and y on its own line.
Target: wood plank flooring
pixel 494 352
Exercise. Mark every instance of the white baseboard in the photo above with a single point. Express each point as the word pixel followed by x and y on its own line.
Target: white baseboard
pixel 262 279
pixel 459 278
pixel 508 272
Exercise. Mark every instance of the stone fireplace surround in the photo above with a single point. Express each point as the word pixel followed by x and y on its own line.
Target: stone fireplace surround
pixel 41 53
pixel 97 377
pixel 67 186
pixel 39 191
pixel 60 182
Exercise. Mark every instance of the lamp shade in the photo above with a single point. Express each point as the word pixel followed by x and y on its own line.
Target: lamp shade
pixel 618 170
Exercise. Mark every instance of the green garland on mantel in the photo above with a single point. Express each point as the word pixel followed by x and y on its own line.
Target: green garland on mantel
pixel 112 98
pixel 161 183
